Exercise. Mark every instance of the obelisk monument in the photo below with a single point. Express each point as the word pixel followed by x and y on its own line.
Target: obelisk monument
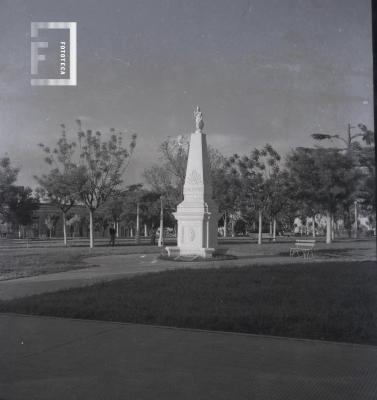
pixel 198 214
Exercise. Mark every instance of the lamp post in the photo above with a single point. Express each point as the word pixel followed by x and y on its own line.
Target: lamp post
pixel 161 236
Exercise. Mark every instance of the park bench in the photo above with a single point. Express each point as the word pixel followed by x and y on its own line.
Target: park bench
pixel 302 247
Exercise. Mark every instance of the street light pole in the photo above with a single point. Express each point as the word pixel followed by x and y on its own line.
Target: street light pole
pixel 160 238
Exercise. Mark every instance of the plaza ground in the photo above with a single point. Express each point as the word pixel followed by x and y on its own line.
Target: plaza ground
pixel 22 259
pixel 62 359
pixel 47 357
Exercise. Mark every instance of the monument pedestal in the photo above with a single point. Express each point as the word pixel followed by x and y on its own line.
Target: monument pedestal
pixel 197 215
pixel 197 231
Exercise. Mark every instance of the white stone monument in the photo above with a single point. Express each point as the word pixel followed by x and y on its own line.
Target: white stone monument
pixel 198 214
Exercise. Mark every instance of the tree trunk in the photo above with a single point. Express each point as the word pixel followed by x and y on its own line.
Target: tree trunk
pixel 64 230
pixel 161 236
pixel 225 224
pixel 91 241
pixel 259 227
pixel 137 238
pixel 145 230
pixel 328 227
pixel 270 228
pixel 356 217
pixel 232 228
pixel 274 230
pixel 332 228
pixel 117 229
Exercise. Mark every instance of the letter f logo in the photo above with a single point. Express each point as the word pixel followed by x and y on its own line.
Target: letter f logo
pixel 35 56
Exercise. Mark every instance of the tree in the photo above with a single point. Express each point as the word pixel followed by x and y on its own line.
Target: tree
pixel 366 194
pixel 227 186
pixel 8 176
pixel 17 203
pixel 168 178
pixel 277 185
pixel 122 205
pixel 255 174
pixel 175 152
pixel 100 223
pixel 113 208
pixel 60 184
pixel 150 209
pixel 101 169
pixel 72 221
pixel 367 188
pixel 149 203
pixel 349 140
pixel 324 179
pixel 51 221
pixel 361 156
pixel 20 204
pixel 303 184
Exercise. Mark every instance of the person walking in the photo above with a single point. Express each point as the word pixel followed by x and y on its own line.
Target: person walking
pixel 153 237
pixel 112 236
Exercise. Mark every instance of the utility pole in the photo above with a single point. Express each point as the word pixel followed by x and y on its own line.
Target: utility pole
pixel 161 236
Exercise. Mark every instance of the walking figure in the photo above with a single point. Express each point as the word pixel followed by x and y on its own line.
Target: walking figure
pixel 153 237
pixel 112 236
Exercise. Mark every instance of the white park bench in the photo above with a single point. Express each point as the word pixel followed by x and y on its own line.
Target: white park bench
pixel 302 247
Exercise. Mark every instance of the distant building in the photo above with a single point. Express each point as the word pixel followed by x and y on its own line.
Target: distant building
pixel 40 229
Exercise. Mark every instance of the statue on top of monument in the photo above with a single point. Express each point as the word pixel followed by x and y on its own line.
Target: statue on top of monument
pixel 198 119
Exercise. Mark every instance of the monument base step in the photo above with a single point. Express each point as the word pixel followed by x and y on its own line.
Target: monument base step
pixel 177 252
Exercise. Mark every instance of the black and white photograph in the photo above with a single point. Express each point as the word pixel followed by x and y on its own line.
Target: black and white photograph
pixel 188 200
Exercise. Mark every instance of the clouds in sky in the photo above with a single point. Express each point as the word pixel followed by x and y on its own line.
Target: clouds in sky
pixel 260 70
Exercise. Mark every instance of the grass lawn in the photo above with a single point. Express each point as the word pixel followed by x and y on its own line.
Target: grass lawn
pixel 17 263
pixel 334 301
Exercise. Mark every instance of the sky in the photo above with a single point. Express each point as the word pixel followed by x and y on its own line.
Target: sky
pixel 261 70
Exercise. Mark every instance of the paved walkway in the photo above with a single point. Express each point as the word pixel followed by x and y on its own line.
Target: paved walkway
pixel 51 358
pixel 112 267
